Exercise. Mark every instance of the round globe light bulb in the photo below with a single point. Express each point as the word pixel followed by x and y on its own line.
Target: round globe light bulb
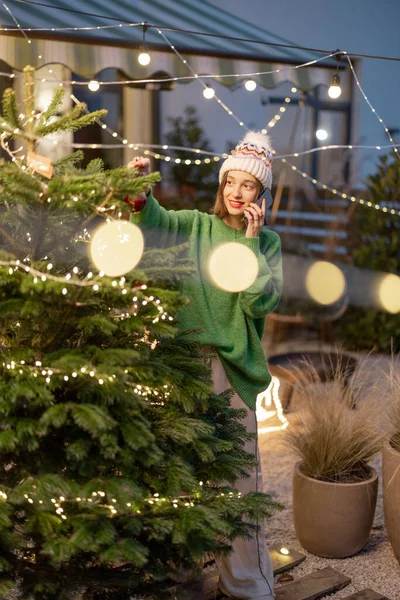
pixel 117 247
pixel 250 85
pixel 389 293
pixel 93 85
pixel 334 91
pixel 208 93
pixel 144 58
pixel 233 267
pixel 325 282
pixel 321 134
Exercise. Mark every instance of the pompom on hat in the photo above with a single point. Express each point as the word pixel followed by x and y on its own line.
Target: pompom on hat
pixel 253 155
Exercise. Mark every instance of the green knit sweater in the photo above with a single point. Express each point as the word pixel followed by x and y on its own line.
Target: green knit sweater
pixel 231 322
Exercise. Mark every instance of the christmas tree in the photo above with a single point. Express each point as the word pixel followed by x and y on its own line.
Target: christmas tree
pixel 112 445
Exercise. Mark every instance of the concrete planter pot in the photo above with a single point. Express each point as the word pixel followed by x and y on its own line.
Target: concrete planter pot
pixel 391 495
pixel 333 520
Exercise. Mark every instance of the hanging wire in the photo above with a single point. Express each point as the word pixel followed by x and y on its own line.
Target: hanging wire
pixel 202 33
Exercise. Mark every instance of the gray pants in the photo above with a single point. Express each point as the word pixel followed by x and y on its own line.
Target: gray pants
pixel 247 572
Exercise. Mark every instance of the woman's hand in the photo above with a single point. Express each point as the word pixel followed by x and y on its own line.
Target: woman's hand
pixel 255 216
pixel 143 167
pixel 140 163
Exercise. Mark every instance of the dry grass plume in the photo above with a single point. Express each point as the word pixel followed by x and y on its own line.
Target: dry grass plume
pixel 339 431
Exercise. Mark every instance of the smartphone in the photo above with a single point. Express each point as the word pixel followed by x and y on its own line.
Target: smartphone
pixel 268 202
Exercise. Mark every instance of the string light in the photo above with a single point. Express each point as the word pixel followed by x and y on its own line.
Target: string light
pixel 321 134
pixel 230 112
pixel 372 108
pixel 185 62
pixel 86 282
pixel 334 89
pixel 386 209
pixel 93 85
pixel 208 92
pixel 217 156
pixel 337 54
pixel 36 371
pixel 250 85
pixel 97 500
pixel 282 109
pixel 144 56
pixel 217 76
pixel 174 29
pixel 54 29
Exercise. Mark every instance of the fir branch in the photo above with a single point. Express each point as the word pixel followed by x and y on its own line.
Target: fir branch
pixel 53 108
pixel 67 164
pixel 95 212
pixel 19 185
pixel 60 124
pixel 14 247
pixel 71 121
pixel 29 98
pixel 95 166
pixel 10 110
pixel 88 119
pixel 4 129
pixel 38 236
pixel 127 183
pixel 63 321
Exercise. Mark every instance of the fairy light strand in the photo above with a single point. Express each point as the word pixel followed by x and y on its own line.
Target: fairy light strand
pixel 183 77
pixel 56 29
pixel 217 158
pixel 371 107
pixel 196 76
pixel 137 146
pixel 68 279
pixel 187 31
pixel 282 109
pixel 104 499
pixel 19 28
pixel 335 192
pixel 86 371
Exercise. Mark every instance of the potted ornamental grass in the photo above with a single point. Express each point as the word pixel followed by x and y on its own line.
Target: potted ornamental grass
pixel 391 463
pixel 336 435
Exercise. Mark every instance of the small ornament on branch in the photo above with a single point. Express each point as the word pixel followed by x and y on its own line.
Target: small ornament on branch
pixel 40 164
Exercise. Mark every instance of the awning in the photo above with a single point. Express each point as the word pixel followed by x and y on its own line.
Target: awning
pixel 87 53
pixel 87 60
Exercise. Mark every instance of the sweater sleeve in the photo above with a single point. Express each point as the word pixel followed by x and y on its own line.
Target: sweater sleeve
pixel 163 227
pixel 263 295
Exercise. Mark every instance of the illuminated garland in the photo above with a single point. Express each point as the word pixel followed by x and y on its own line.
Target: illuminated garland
pixel 175 79
pixel 370 105
pixel 368 204
pixel 98 498
pixel 87 282
pixel 230 112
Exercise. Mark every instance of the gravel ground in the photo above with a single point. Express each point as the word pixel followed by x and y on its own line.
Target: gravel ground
pixel 375 567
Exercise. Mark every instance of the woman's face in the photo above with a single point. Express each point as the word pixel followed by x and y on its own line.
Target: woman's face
pixel 240 190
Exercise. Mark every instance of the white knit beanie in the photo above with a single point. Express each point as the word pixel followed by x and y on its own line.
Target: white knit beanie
pixel 253 155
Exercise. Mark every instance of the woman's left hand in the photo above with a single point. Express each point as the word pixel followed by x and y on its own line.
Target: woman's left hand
pixel 255 218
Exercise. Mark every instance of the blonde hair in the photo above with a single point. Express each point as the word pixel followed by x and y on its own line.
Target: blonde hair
pixel 219 207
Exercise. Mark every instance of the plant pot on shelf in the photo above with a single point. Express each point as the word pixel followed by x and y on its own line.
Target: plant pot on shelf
pixel 333 520
pixel 391 495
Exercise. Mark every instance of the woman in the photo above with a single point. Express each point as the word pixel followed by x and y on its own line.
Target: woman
pixel 232 323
